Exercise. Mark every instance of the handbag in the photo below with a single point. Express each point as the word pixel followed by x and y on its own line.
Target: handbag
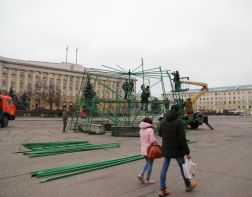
pixel 154 151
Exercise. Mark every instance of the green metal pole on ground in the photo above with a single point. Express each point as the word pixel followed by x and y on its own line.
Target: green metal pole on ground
pixel 65 171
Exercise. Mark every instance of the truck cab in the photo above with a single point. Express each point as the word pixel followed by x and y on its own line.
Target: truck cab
pixel 7 110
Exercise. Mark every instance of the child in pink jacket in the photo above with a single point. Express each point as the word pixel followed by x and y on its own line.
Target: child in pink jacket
pixel 146 139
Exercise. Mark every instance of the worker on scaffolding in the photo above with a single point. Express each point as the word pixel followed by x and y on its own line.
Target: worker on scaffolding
pixel 166 104
pixel 131 86
pixel 188 107
pixel 145 97
pixel 126 88
pixel 176 80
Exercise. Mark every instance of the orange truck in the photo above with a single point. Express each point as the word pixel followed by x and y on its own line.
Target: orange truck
pixel 7 110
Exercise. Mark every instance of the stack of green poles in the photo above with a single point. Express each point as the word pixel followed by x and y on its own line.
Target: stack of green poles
pixel 40 151
pixel 51 144
pixel 59 146
pixel 65 171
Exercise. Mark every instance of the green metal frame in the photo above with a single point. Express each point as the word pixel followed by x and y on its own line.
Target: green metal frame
pixel 127 112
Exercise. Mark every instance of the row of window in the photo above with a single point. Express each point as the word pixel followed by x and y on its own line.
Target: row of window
pixel 215 94
pixel 39 82
pixel 42 81
pixel 224 102
pixel 41 75
pixel 224 107
pixel 223 98
pixel 44 76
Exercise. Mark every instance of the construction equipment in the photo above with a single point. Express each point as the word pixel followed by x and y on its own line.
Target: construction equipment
pixel 7 110
pixel 195 119
pixel 198 94
pixel 191 119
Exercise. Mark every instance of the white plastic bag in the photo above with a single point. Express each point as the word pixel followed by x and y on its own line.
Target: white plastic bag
pixel 189 169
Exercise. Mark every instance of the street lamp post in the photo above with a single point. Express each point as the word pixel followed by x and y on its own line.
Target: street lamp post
pixel 66 53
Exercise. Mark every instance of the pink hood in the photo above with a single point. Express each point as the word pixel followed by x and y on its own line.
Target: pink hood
pixel 144 125
pixel 146 136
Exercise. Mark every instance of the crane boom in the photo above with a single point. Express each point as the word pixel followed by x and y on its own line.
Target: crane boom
pixel 202 91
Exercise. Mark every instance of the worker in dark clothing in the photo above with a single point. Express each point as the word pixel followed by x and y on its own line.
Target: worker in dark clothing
pixel 176 80
pixel 174 146
pixel 131 86
pixel 166 104
pixel 65 119
pixel 126 87
pixel 145 97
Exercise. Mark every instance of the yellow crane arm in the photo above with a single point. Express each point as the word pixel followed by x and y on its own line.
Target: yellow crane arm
pixel 197 95
pixel 195 83
pixel 202 91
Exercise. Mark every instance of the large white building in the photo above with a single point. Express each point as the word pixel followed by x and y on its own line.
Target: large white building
pixel 230 98
pixel 66 77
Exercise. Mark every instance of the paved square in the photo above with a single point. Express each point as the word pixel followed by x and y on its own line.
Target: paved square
pixel 223 157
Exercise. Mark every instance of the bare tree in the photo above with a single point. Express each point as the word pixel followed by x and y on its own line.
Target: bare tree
pixel 53 96
pixel 57 99
pixel 47 94
pixel 39 93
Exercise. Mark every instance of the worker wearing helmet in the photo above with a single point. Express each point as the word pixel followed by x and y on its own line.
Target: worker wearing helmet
pixel 188 107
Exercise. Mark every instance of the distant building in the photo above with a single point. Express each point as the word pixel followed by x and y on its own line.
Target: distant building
pixel 66 79
pixel 230 98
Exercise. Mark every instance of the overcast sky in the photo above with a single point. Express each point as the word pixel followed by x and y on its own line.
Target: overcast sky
pixel 207 40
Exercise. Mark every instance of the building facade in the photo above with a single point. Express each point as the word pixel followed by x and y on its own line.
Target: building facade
pixel 66 78
pixel 231 98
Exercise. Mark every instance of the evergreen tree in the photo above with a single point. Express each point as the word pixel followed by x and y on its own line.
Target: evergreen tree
pixel 25 100
pixel 15 98
pixel 155 106
pixel 18 103
pixel 11 92
pixel 89 96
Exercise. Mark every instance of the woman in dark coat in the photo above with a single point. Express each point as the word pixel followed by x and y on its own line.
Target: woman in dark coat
pixel 174 145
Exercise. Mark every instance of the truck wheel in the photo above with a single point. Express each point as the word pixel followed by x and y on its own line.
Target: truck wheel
pixel 4 121
pixel 194 125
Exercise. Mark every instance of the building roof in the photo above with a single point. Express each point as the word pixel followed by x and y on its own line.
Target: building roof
pixel 61 66
pixel 226 88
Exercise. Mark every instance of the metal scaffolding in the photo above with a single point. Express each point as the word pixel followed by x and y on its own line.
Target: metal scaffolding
pixel 119 109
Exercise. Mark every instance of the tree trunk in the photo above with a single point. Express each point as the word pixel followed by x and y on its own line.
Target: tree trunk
pixel 51 105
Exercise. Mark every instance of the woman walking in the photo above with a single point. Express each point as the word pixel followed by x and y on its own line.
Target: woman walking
pixel 147 138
